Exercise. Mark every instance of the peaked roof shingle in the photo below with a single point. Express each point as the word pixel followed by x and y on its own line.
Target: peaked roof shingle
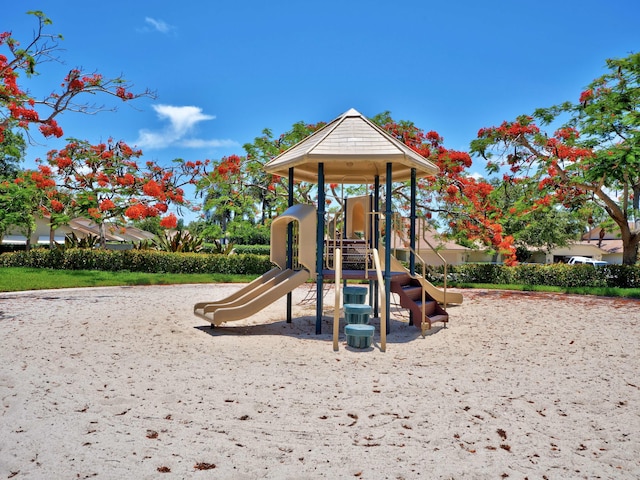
pixel 354 150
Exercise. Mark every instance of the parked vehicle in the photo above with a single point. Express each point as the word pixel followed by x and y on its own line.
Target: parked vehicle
pixel 586 261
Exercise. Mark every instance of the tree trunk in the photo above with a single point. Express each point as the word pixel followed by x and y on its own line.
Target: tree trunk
pixel 28 243
pixel 630 241
pixel 630 250
pixel 103 236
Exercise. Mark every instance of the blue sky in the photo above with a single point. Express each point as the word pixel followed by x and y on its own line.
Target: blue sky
pixel 224 71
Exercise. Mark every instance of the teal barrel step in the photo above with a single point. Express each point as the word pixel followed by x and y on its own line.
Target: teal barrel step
pixel 357 313
pixel 353 294
pixel 359 335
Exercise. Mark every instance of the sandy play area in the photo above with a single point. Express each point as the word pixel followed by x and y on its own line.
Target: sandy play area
pixel 116 383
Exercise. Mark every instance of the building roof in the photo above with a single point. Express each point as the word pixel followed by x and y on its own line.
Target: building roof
pixel 81 227
pixel 430 239
pixel 88 227
pixel 353 150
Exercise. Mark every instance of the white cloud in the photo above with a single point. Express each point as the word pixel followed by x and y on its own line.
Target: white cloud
pixel 178 133
pixel 159 25
pixel 182 119
pixel 214 143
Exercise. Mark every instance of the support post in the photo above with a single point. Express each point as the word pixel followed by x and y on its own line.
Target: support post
pixel 412 232
pixel 290 246
pixel 387 245
pixel 320 248
pixel 376 236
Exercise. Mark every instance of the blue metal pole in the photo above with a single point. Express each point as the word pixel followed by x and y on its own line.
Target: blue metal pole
pixel 387 246
pixel 376 228
pixel 412 232
pixel 320 248
pixel 290 246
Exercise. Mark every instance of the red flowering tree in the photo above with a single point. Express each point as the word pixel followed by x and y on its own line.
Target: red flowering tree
pixel 106 183
pixel 19 109
pixel 452 196
pixel 593 158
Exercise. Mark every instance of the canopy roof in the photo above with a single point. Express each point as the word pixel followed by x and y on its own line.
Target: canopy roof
pixel 354 150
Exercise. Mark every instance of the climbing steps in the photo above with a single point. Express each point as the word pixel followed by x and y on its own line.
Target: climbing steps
pixel 356 313
pixel 410 293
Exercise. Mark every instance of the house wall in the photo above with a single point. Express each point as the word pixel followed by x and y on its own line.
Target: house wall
pixel 481 256
pixel 41 233
pixel 452 257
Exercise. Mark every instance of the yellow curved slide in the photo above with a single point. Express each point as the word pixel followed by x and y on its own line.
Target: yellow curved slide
pixel 434 292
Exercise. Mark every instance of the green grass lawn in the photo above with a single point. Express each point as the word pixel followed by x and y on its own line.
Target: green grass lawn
pixel 20 279
pixel 15 279
pixel 600 291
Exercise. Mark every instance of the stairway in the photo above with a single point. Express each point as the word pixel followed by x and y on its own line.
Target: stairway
pixel 409 291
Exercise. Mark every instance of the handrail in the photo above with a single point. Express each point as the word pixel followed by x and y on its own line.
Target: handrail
pixel 336 307
pixel 383 311
pixel 422 308
pixel 444 263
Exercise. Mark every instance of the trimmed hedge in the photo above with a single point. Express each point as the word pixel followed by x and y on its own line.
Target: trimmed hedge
pixel 556 275
pixel 150 261
pixel 252 249
pixel 147 261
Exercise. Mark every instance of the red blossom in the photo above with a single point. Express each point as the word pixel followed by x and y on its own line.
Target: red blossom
pixel 170 221
pixel 152 189
pixel 106 205
pixel 586 96
pixel 136 212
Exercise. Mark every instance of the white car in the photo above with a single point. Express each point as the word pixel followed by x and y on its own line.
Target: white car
pixel 586 261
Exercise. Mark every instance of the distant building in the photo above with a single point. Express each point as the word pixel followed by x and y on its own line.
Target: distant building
pixel 597 244
pixel 118 237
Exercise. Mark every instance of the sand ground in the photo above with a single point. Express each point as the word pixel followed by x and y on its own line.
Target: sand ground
pixel 126 382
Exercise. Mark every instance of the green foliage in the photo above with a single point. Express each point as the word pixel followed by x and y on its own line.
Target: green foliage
pixel 559 275
pixel 178 241
pixel 253 249
pixel 220 248
pixel 137 261
pixel 73 241
pixel 208 231
pixel 246 233
pixel 12 153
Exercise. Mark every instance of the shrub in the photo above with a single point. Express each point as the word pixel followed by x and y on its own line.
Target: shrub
pixel 148 261
pixel 558 275
pixel 253 249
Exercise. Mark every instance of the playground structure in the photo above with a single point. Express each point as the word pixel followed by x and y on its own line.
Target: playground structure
pixel 348 150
